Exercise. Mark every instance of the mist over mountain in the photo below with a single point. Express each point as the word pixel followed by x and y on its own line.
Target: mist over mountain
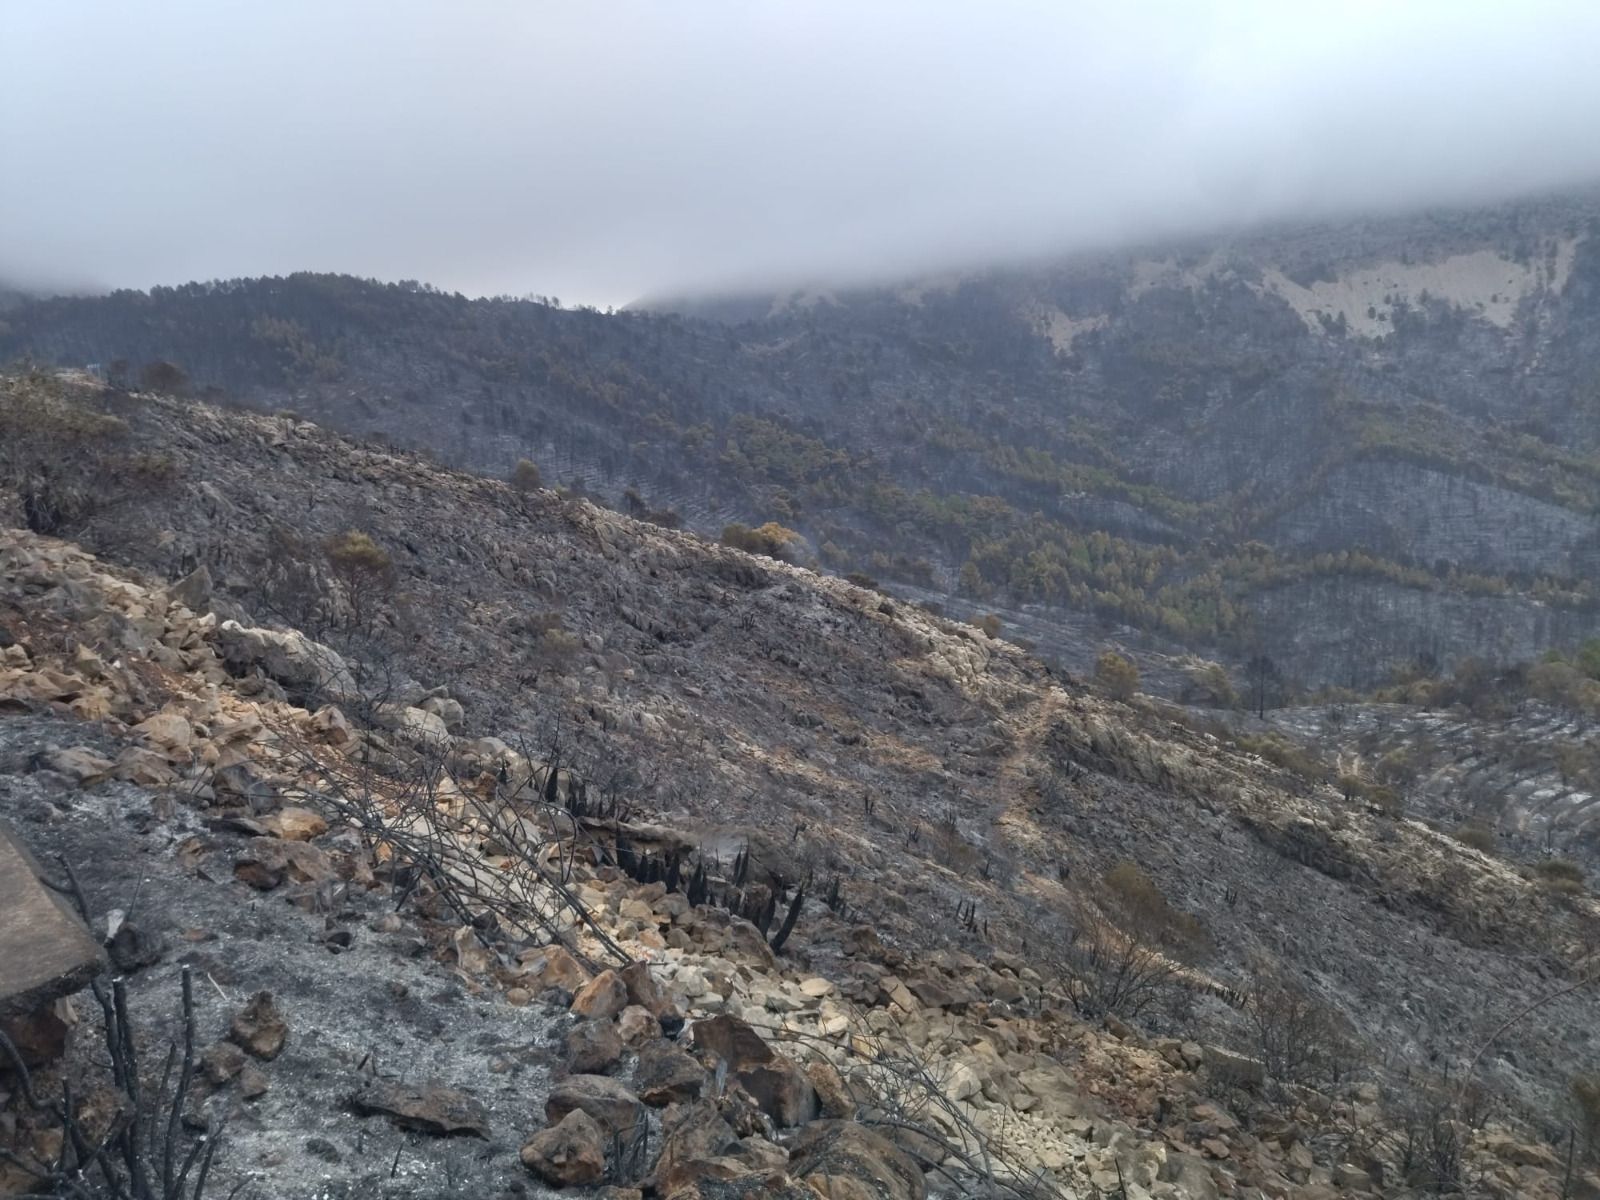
pixel 1345 448
pixel 728 146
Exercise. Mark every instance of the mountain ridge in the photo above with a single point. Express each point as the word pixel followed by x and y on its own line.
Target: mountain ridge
pixel 1115 438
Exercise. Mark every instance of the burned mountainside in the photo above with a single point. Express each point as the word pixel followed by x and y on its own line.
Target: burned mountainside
pixel 919 785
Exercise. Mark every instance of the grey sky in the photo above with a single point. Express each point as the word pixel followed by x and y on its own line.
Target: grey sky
pixel 600 150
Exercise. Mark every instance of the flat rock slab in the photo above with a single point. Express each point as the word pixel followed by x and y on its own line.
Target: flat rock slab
pixel 45 952
pixel 427 1108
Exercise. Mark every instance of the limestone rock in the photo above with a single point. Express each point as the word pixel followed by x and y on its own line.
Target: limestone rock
pixel 287 656
pixel 447 710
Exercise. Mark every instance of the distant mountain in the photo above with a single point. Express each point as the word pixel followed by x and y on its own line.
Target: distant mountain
pixel 1342 448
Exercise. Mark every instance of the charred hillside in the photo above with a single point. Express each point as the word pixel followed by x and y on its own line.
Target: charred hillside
pixel 920 778
pixel 1379 434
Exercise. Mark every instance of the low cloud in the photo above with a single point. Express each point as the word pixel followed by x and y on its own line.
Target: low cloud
pixel 600 150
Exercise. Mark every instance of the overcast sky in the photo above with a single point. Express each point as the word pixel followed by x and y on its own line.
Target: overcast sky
pixel 599 150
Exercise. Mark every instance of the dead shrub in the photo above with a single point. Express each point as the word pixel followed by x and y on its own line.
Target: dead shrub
pixel 1298 1039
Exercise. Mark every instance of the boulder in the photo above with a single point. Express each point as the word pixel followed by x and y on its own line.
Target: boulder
pixel 694 1140
pixel 732 1041
pixel 636 1026
pixel 593 1048
pixel 602 998
pixel 447 710
pixel 570 1153
pixel 45 951
pixel 287 656
pixel 83 766
pixel 666 1075
pixel 616 1108
pixel 845 1158
pixel 781 1090
pixel 553 967
pixel 294 824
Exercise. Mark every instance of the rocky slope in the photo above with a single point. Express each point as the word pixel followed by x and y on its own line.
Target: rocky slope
pixel 1188 440
pixel 983 843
